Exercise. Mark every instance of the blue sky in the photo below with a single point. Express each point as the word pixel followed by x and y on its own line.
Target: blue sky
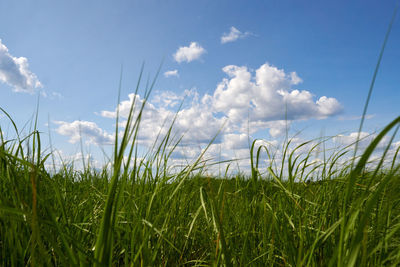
pixel 239 61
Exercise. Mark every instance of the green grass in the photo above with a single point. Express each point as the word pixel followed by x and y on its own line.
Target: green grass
pixel 294 211
pixel 139 213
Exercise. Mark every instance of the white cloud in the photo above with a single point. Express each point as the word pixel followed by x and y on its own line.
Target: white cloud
pixel 61 159
pixel 365 139
pixel 77 129
pixel 189 53
pixel 268 96
pixel 171 73
pixel 167 99
pixel 50 95
pixel 278 128
pixel 14 72
pixel 236 141
pixel 196 122
pixel 396 144
pixel 350 139
pixel 233 35
pixel 353 118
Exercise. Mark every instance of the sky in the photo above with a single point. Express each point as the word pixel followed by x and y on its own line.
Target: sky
pixel 245 69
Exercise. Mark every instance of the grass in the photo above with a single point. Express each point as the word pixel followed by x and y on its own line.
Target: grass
pixel 143 215
pixel 139 213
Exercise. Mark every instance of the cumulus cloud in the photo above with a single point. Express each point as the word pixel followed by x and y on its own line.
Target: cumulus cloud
pixel 233 35
pixel 189 53
pixel 196 122
pixel 14 71
pixel 171 73
pixel 77 129
pixel 268 96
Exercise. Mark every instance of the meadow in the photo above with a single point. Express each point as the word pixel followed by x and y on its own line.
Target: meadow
pixel 296 212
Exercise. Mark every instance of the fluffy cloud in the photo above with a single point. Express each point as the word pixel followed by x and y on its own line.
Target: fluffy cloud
pixel 196 123
pixel 14 71
pixel 171 73
pixel 189 53
pixel 233 35
pixel 268 96
pixel 77 129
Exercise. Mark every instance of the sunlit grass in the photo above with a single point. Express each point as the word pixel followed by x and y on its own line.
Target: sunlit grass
pixel 139 213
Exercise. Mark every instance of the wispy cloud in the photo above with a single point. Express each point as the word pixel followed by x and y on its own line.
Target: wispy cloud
pixel 14 71
pixel 233 35
pixel 354 118
pixel 171 73
pixel 56 95
pixel 189 53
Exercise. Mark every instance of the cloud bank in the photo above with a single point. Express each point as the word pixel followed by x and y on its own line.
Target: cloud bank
pixel 244 102
pixel 14 71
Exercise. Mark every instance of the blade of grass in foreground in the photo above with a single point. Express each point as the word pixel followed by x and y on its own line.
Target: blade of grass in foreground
pixel 342 260
pixel 104 242
pixel 374 78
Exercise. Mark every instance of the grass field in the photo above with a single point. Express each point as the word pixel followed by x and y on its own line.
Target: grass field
pixel 137 213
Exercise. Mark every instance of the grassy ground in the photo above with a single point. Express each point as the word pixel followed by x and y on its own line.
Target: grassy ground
pixel 143 215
